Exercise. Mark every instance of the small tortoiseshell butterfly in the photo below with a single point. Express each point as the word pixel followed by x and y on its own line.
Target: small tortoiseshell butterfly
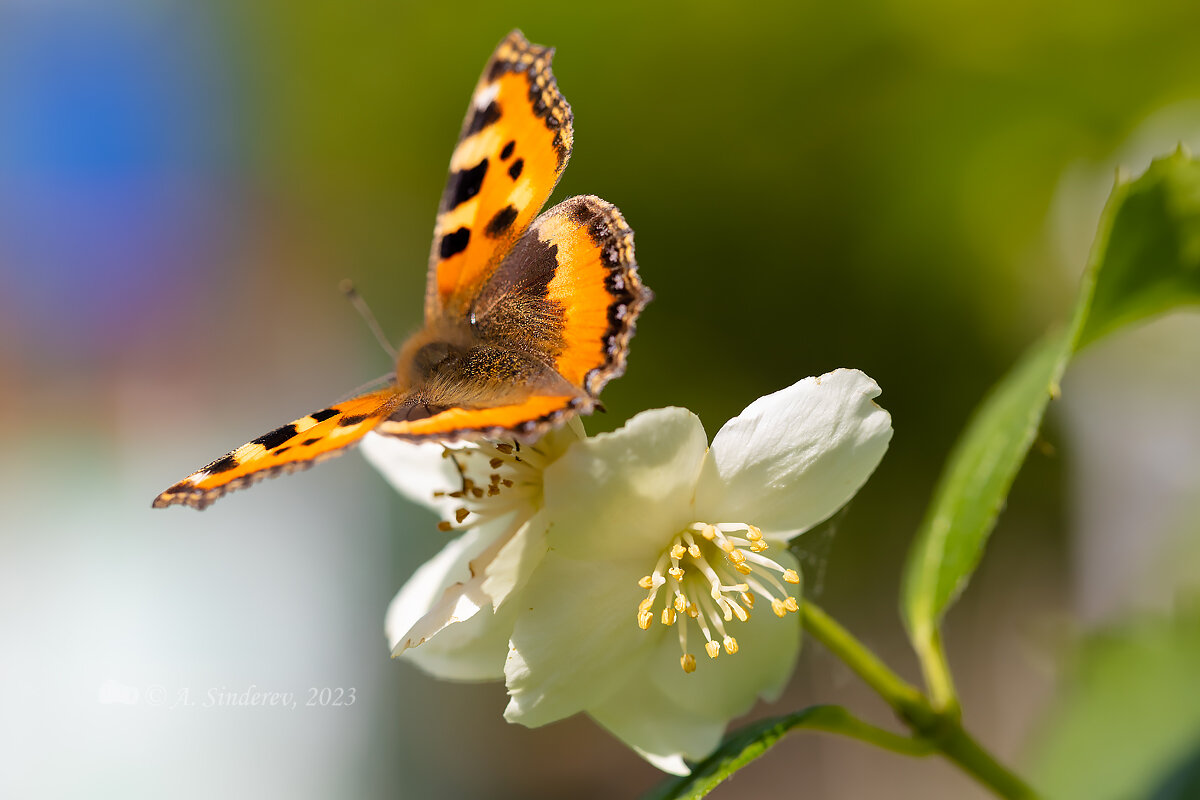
pixel 526 319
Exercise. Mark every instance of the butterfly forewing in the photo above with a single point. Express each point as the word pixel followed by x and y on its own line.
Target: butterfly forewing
pixel 514 144
pixel 297 445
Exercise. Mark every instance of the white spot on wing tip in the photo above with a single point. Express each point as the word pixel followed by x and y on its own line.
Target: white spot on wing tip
pixel 486 95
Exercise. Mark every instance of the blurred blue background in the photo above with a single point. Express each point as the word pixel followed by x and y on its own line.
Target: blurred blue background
pixel 906 188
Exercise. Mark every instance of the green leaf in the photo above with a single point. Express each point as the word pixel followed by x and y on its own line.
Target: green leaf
pixel 971 493
pixel 1146 259
pixel 745 745
pixel 1129 718
pixel 1152 262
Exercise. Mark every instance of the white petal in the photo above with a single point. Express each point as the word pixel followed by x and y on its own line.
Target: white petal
pixel 576 640
pixel 661 731
pixel 416 471
pixel 626 493
pixel 516 561
pixel 794 457
pixel 438 609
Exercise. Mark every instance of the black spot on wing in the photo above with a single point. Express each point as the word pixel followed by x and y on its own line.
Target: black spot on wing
pixel 464 184
pixel 507 152
pixel 454 243
pixel 514 171
pixel 311 442
pixel 276 437
pixel 321 416
pixel 501 222
pixel 346 422
pixel 222 465
pixel 482 118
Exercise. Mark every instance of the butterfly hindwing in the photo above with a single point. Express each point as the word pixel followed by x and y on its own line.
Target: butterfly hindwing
pixel 294 446
pixel 575 265
pixel 514 144
pixel 567 296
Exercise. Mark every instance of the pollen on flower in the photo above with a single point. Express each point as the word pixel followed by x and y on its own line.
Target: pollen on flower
pixel 497 477
pixel 710 575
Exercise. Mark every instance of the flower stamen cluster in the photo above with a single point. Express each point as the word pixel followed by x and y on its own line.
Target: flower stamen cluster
pixel 497 478
pixel 709 571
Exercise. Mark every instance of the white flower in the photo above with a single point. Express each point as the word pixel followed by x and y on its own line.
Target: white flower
pixel 609 563
pixel 659 548
pixel 492 493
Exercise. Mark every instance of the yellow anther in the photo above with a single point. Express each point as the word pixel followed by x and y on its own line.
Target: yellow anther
pixel 791 576
pixel 644 620
pixel 791 605
pixel 727 546
pixel 778 607
pixel 694 550
pixel 676 573
pixel 678 551
pixel 713 649
pixel 731 645
pixel 709 532
pixel 688 662
pixel 645 604
pixel 743 568
pixel 739 612
pixel 692 610
pixel 759 546
pixel 680 603
pixel 736 556
pixel 754 534
pixel 748 599
pixel 646 582
pixel 668 616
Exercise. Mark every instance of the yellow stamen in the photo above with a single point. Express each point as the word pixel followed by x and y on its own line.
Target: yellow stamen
pixel 714 578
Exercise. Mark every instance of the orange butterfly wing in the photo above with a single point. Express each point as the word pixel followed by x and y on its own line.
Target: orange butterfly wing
pixel 295 446
pixel 514 144
pixel 574 272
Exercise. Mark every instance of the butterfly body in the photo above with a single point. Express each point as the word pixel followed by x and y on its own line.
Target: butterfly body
pixel 525 319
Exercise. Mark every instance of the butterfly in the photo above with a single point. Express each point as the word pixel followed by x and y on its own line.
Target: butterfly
pixel 526 319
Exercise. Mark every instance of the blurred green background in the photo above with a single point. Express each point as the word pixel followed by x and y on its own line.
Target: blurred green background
pixel 905 188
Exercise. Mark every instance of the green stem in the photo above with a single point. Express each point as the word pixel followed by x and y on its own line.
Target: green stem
pixel 835 719
pixel 937 674
pixel 942 729
pixel 899 694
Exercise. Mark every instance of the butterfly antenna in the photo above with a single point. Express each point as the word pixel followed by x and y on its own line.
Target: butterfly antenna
pixel 360 305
